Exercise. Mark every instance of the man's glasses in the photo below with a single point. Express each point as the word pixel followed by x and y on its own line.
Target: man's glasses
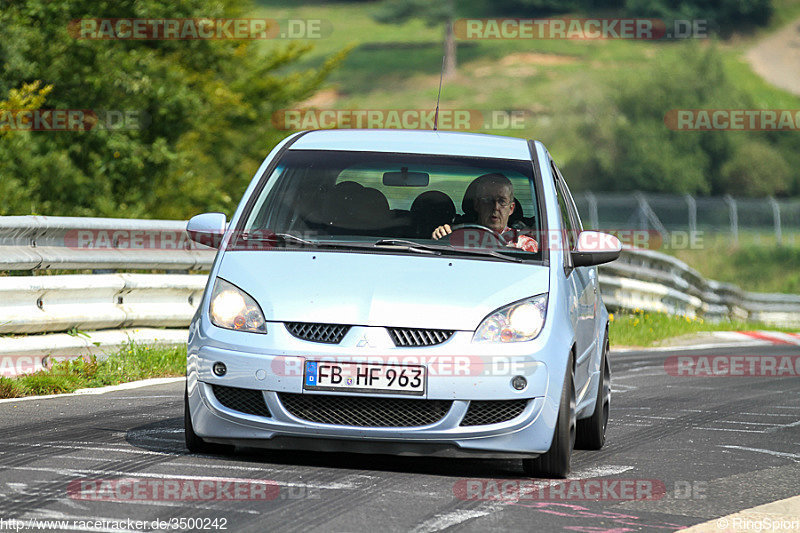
pixel 499 200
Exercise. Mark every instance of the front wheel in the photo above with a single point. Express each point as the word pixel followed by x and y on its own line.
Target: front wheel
pixel 592 430
pixel 555 462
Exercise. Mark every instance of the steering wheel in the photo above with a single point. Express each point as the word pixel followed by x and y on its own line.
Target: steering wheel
pixel 459 230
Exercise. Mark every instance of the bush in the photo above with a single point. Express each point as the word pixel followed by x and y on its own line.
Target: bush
pixel 756 169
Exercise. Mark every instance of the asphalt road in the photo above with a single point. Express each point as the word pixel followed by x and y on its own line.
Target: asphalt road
pixel 715 445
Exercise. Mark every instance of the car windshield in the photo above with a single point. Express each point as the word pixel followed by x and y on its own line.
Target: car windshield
pixel 360 199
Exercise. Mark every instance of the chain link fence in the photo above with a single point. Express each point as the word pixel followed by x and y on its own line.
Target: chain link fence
pixel 770 220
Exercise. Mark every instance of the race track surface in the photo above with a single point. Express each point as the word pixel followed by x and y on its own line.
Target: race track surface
pixel 698 447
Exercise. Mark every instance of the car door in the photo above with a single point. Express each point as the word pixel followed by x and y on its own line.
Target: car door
pixel 583 281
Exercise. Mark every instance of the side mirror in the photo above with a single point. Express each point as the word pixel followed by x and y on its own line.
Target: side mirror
pixel 595 248
pixel 207 228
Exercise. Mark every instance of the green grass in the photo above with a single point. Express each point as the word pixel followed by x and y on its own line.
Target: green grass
pixel 133 362
pixel 756 264
pixel 396 66
pixel 646 329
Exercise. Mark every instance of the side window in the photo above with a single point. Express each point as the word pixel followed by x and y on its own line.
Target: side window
pixel 567 240
pixel 576 219
pixel 564 208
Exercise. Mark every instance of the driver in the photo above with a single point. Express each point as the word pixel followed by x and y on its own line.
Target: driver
pixel 494 203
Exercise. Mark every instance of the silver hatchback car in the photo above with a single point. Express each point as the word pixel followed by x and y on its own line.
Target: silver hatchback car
pixel 403 292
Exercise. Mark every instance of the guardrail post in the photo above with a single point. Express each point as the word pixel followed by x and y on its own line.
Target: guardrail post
pixel 734 217
pixel 692 204
pixel 776 215
pixel 646 214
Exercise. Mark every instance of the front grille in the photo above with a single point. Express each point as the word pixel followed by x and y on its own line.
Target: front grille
pixel 247 401
pixel 419 337
pixel 309 331
pixel 492 412
pixel 364 411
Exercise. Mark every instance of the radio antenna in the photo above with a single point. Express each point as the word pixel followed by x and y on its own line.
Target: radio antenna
pixel 436 114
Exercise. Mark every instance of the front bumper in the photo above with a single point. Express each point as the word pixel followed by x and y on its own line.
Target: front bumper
pixel 480 372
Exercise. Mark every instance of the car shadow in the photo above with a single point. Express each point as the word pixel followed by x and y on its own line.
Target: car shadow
pixel 166 436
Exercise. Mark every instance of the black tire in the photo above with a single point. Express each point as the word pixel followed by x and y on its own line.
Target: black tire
pixel 194 443
pixel 555 462
pixel 592 431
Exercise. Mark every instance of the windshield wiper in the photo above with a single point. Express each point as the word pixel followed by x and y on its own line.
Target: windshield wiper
pixel 284 237
pixel 278 237
pixel 446 248
pixel 410 245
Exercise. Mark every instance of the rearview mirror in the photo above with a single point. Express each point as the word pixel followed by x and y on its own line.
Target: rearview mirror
pixel 404 178
pixel 207 228
pixel 595 248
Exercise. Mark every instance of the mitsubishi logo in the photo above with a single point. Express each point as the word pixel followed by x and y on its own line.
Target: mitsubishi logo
pixel 364 342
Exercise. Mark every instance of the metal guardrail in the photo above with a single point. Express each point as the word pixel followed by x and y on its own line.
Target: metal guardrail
pixel 652 281
pixel 75 243
pixel 39 304
pixel 641 279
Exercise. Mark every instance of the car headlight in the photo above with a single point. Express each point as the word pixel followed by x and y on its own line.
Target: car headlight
pixel 520 321
pixel 232 308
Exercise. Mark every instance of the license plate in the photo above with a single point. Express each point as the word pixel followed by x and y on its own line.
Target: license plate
pixel 364 377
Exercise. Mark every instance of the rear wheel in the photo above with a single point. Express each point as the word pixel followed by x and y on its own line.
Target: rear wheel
pixel 194 443
pixel 592 430
pixel 555 462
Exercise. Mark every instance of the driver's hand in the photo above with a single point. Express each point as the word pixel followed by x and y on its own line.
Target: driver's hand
pixel 441 231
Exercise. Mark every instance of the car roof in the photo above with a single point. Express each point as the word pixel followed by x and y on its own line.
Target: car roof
pixel 416 142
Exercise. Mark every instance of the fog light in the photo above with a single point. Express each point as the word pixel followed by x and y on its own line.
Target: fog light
pixel 519 382
pixel 220 369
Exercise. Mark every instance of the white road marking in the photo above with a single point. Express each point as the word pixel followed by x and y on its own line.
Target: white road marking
pixel 729 429
pixel 452 518
pixel 761 450
pixel 600 471
pixel 89 447
pixel 616 377
pixel 78 472
pixel 768 414
pixel 784 426
pixel 745 423
pixel 445 520
pixel 149 431
pixel 691 348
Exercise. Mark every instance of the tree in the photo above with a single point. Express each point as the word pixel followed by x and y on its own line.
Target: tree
pixel 202 110
pixel 433 13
